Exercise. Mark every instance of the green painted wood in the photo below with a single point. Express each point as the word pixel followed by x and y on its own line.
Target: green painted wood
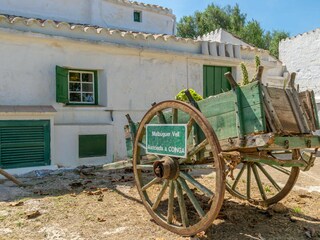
pixel 92 145
pixel 214 81
pixel 224 125
pixel 61 85
pixel 220 111
pixel 294 142
pixel 24 143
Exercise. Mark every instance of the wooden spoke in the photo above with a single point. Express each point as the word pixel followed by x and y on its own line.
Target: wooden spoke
pixel 174 115
pixel 189 126
pixel 281 169
pixel 191 196
pixel 248 181
pixel 170 202
pixel 160 195
pixel 144 167
pixel 142 145
pixel 182 205
pixel 268 176
pixel 238 176
pixel 198 148
pixel 198 185
pixel 161 117
pixel 258 180
pixel 149 184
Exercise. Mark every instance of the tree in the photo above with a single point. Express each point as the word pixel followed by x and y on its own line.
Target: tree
pixel 232 20
pixel 187 27
pixel 252 33
pixel 237 19
pixel 277 36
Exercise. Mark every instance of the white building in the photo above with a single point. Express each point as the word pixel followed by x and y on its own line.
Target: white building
pixel 301 54
pixel 70 70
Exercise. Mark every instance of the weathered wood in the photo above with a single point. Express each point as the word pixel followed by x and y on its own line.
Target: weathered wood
pixel 292 142
pixel 297 111
pixel 309 108
pixel 182 205
pixel 149 184
pixel 11 178
pixel 271 110
pixel 292 79
pixel 272 161
pixel 258 181
pixel 170 202
pixel 231 80
pixel 118 165
pixel 160 195
pixel 191 196
pixel 259 74
pixel 198 185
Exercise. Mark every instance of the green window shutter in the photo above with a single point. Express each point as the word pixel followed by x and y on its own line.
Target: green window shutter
pixel 92 145
pixel 137 16
pixel 214 81
pixel 24 143
pixel 61 84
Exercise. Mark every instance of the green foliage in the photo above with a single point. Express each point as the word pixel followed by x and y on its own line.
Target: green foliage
pixel 297 210
pixel 232 20
pixel 277 36
pixel 245 76
pixel 258 62
pixel 182 96
pixel 253 33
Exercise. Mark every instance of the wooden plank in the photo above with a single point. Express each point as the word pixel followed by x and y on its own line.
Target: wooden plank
pixel 293 142
pixel 297 110
pixel 11 178
pixel 283 110
pixel 271 111
pixel 254 120
pixel 224 125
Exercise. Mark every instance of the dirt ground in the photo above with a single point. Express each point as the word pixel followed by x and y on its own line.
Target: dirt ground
pixel 95 204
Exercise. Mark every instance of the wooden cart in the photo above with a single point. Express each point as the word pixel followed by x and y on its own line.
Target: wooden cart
pixel 252 140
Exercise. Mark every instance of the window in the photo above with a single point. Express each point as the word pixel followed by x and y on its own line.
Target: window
pixel 92 145
pixel 76 86
pixel 137 16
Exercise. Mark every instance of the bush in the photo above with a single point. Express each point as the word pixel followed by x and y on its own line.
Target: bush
pixel 182 96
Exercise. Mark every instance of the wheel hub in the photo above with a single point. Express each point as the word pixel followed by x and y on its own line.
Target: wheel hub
pixel 166 168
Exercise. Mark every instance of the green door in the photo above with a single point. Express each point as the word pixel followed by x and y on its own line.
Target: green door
pixel 214 81
pixel 24 143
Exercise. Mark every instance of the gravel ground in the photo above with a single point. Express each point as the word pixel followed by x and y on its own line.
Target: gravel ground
pixel 105 205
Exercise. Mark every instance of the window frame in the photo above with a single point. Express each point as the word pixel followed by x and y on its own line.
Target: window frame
pixel 81 92
pixel 63 88
pixel 140 16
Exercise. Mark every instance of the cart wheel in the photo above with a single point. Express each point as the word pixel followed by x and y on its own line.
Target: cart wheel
pixel 184 198
pixel 261 183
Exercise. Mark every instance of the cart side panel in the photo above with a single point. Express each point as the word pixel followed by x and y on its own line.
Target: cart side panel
pixel 220 111
pixel 283 110
pixel 252 109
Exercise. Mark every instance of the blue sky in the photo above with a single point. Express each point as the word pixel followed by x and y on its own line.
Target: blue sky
pixel 293 16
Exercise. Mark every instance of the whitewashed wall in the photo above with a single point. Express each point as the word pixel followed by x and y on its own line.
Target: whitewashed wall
pixel 301 54
pixel 104 13
pixel 129 81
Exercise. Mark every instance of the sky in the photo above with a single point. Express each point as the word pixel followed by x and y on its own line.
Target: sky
pixel 293 16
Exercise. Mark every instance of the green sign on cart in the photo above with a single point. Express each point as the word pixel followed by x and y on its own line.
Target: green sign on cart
pixel 167 139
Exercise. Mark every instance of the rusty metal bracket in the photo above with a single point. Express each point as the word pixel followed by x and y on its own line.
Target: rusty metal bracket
pixel 309 158
pixel 231 159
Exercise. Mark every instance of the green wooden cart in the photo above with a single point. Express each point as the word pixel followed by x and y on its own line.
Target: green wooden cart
pixel 252 140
